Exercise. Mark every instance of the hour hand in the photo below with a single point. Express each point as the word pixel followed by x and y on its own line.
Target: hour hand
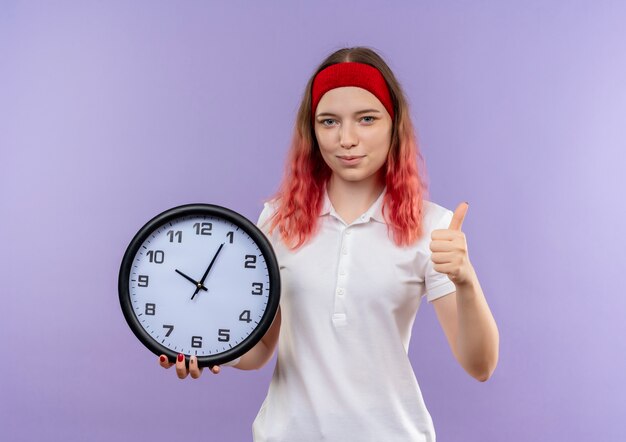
pixel 196 283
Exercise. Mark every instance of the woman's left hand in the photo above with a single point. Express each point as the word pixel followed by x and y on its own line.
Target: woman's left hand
pixel 449 249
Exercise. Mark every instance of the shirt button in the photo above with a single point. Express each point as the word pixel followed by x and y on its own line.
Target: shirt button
pixel 348 232
pixel 340 291
pixel 344 251
pixel 342 272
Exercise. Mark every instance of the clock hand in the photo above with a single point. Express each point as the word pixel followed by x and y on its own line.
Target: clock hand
pixel 196 283
pixel 207 270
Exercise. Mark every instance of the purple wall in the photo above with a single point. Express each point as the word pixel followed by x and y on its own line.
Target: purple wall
pixel 111 112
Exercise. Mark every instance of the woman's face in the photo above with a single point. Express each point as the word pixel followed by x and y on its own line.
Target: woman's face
pixel 353 130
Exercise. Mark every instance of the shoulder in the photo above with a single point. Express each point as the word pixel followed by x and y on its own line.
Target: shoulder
pixel 269 209
pixel 436 216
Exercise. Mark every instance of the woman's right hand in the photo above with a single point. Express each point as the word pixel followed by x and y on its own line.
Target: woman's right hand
pixel 181 368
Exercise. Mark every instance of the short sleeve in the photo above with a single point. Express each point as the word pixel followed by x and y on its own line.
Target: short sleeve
pixel 264 217
pixel 438 284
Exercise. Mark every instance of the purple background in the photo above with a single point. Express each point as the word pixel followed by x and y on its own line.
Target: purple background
pixel 111 112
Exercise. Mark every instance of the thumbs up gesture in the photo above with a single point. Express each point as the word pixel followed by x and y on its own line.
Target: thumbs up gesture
pixel 449 249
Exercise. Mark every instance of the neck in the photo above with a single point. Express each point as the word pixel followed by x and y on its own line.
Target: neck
pixel 353 198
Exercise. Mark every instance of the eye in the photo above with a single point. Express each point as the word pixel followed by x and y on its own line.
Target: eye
pixel 327 122
pixel 368 119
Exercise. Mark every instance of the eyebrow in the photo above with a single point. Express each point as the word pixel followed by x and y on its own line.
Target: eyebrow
pixel 330 114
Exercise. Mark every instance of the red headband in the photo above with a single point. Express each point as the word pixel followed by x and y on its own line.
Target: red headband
pixel 351 74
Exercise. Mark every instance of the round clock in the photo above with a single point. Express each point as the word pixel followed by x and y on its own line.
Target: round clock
pixel 201 280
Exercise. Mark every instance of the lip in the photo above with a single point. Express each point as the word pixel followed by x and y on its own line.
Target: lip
pixel 349 160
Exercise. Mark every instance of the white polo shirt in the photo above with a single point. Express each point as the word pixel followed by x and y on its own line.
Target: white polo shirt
pixel 348 301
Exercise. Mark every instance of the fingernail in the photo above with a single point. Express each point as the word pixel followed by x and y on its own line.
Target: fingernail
pixel 162 358
pixel 180 357
pixel 191 360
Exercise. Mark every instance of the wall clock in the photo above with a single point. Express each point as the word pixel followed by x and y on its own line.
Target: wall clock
pixel 199 279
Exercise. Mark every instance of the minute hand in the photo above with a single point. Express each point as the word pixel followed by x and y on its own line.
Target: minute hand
pixel 207 270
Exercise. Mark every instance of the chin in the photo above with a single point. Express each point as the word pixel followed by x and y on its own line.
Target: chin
pixel 354 177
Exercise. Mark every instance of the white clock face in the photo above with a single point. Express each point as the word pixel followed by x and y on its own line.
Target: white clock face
pixel 199 285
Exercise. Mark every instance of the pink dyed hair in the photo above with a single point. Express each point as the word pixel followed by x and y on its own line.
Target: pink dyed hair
pixel 300 195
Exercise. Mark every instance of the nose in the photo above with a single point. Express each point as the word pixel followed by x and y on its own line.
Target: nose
pixel 347 136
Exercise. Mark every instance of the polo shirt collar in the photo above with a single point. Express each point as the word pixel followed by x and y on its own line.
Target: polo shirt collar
pixel 375 211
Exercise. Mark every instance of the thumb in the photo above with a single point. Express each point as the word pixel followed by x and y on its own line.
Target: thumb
pixel 459 216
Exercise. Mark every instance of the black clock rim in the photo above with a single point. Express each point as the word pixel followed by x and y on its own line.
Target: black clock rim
pixel 201 209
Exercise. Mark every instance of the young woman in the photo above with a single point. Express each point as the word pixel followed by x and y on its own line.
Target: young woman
pixel 358 246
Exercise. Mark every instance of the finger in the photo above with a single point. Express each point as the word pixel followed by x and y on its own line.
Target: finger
pixel 181 368
pixel 215 369
pixel 164 362
pixel 459 216
pixel 443 257
pixel 444 234
pixel 194 370
pixel 449 269
pixel 448 240
pixel 441 246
